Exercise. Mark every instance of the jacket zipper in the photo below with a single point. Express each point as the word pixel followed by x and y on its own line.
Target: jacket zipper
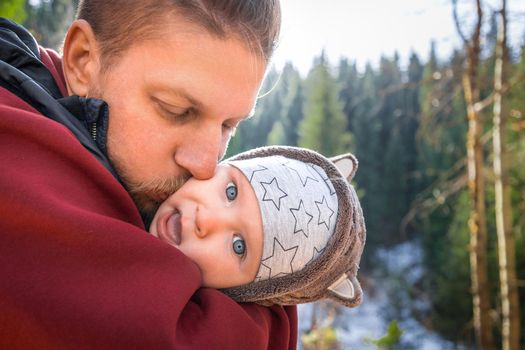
pixel 94 131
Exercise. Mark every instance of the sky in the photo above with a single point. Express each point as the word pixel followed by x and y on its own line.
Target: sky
pixel 363 30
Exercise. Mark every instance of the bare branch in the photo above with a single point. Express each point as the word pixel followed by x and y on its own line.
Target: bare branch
pixel 456 22
pixel 481 105
pixel 428 205
pixel 427 200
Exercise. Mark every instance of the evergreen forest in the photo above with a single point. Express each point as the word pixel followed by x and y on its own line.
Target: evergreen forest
pixel 408 128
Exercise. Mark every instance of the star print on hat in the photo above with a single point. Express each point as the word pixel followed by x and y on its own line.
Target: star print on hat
pixel 298 209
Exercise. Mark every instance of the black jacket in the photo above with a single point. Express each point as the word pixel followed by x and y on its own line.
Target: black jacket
pixel 23 73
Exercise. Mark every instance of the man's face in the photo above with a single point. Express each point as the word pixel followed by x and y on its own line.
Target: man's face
pixel 217 223
pixel 174 103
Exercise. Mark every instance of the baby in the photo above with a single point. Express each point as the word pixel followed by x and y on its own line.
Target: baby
pixel 274 225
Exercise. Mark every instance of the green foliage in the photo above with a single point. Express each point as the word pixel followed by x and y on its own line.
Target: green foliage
pixel 449 280
pixel 517 99
pixel 13 9
pixel 254 132
pixel 390 340
pixel 277 135
pixel 292 106
pixel 323 338
pixel 48 20
pixel 324 125
pixel 384 119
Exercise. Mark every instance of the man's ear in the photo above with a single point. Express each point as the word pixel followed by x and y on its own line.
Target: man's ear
pixel 347 165
pixel 81 58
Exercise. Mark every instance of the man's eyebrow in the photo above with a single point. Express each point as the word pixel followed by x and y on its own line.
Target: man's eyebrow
pixel 181 93
pixel 192 99
pixel 242 118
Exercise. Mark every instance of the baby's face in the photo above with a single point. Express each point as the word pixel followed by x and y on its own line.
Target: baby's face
pixel 216 223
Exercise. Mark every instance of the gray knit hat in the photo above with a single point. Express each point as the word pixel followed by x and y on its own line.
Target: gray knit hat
pixel 313 225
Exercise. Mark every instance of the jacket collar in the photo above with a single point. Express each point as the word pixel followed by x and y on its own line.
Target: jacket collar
pixel 23 73
pixel 93 113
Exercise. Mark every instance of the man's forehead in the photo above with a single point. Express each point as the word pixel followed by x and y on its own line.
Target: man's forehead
pixel 218 77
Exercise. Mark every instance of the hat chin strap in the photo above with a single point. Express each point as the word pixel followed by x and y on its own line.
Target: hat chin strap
pixel 343 287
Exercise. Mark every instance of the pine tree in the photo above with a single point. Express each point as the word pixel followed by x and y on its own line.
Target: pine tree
pixel 409 127
pixel 291 86
pixel 444 235
pixel 366 127
pixel 277 134
pixel 392 187
pixel 324 125
pixel 348 80
pixel 254 132
pixel 48 20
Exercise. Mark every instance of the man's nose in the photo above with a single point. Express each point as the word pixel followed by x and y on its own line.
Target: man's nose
pixel 199 153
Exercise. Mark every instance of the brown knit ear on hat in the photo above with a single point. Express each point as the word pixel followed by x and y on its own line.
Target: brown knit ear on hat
pixel 347 165
pixel 346 289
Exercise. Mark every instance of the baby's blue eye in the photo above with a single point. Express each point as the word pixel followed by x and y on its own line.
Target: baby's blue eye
pixel 231 191
pixel 239 247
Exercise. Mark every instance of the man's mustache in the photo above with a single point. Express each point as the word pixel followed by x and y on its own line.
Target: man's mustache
pixel 158 188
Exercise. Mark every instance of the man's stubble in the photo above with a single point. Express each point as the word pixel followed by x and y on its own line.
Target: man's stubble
pixel 147 194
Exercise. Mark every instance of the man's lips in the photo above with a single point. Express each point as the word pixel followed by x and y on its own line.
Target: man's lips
pixel 169 228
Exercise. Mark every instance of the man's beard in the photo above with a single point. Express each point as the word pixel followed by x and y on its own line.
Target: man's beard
pixel 142 194
pixel 148 195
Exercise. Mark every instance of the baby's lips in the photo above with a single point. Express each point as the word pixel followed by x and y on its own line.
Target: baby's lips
pixel 174 228
pixel 169 228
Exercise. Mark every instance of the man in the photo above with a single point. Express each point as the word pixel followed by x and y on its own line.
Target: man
pixel 77 268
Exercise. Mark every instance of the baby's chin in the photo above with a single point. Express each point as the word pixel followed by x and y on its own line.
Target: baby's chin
pixel 218 284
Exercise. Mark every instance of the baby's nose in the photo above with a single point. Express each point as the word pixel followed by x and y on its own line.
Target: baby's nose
pixel 210 220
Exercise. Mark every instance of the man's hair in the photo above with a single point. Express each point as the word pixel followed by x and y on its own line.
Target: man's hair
pixel 119 23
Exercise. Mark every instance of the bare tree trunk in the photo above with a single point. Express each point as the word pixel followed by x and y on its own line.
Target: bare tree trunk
pixel 510 327
pixel 478 230
pixel 322 333
pixel 476 185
